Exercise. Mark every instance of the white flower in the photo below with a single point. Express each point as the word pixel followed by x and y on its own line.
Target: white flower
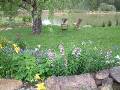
pixel 108 54
pixel 51 55
pixel 117 57
pixel 62 51
pixel 76 52
pixel 38 46
pixel 36 49
pixel 83 43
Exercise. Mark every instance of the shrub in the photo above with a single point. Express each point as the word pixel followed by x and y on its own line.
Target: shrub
pixel 24 67
pixel 106 7
pixel 109 23
pixel 6 57
pixel 21 43
pixel 103 24
pixel 117 22
pixel 26 19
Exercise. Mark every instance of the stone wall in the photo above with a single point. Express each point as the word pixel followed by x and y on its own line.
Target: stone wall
pixel 108 79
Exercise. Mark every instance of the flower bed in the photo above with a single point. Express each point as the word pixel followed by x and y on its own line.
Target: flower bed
pixel 25 64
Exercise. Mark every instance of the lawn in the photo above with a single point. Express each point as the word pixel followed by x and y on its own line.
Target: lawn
pixel 51 37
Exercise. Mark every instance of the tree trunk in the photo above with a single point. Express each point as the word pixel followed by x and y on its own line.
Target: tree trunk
pixel 37 25
pixel 36 16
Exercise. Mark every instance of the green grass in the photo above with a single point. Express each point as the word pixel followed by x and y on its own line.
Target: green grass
pixel 107 37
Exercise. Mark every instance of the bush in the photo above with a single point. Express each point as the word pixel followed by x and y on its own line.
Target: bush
pixel 117 22
pixel 6 57
pixel 26 19
pixel 103 24
pixel 14 64
pixel 21 43
pixel 24 67
pixel 106 7
pixel 109 23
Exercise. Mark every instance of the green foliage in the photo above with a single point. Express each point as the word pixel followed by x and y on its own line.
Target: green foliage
pixel 25 67
pixel 109 23
pixel 106 7
pixel 103 24
pixel 89 61
pixel 117 22
pixel 21 43
pixel 6 61
pixel 26 19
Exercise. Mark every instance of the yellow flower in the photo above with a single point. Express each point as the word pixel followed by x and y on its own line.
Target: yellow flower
pixel 14 45
pixel 37 77
pixel 1 46
pixel 17 49
pixel 41 86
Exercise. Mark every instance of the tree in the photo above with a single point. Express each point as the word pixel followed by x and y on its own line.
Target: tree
pixel 33 6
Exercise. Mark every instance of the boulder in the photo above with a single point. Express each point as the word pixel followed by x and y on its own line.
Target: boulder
pixel 105 88
pixel 77 82
pixel 98 82
pixel 115 73
pixel 9 84
pixel 102 74
pixel 106 84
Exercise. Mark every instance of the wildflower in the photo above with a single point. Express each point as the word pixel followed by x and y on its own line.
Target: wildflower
pixel 108 54
pixel 37 77
pixel 1 46
pixel 14 45
pixel 36 49
pixel 17 49
pixel 51 55
pixel 83 43
pixel 62 50
pixel 76 52
pixel 38 46
pixel 41 86
pixel 117 57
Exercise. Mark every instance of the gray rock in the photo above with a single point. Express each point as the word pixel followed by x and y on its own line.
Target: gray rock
pixel 102 74
pixel 106 84
pixel 29 88
pixel 98 82
pixel 105 88
pixel 10 84
pixel 77 82
pixel 115 73
pixel 107 81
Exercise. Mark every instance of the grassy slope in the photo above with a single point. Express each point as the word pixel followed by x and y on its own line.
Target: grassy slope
pixel 102 37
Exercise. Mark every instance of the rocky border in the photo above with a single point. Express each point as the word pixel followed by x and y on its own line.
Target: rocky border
pixel 102 80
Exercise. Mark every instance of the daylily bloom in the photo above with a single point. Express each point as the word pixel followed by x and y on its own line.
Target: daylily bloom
pixel 1 46
pixel 17 49
pixel 14 45
pixel 41 86
pixel 37 77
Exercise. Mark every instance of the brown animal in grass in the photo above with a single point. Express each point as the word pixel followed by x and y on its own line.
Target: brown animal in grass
pixel 9 84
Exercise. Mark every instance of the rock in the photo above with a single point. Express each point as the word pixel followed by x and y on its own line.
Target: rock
pixel 105 88
pixel 29 88
pixel 115 73
pixel 106 84
pixel 116 86
pixel 9 84
pixel 98 82
pixel 102 74
pixel 107 81
pixel 77 82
